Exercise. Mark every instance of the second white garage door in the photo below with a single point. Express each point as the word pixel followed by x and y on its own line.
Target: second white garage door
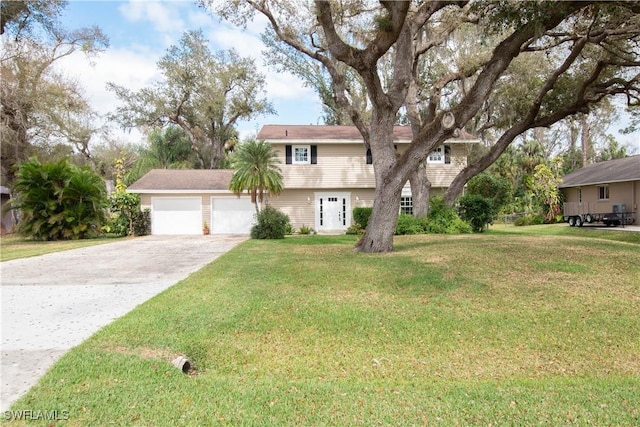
pixel 232 215
pixel 176 215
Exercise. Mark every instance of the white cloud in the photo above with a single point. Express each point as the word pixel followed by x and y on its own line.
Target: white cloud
pixel 163 15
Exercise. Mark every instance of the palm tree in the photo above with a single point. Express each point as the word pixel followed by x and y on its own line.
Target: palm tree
pixel 256 170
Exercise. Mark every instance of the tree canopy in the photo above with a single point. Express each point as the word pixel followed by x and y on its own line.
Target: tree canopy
pixel 585 52
pixel 41 107
pixel 202 92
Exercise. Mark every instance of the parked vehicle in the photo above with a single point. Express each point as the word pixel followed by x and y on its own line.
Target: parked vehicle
pixel 578 214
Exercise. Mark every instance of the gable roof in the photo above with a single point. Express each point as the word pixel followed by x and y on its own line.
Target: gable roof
pixel 332 134
pixel 616 170
pixel 182 180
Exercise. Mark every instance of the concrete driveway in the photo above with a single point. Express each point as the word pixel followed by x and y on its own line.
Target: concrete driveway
pixel 53 302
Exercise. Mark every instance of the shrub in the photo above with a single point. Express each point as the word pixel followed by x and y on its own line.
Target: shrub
pixel 305 230
pixel 125 209
pixel 271 224
pixel 443 219
pixel 529 220
pixel 477 210
pixel 142 222
pixel 409 224
pixel 361 216
pixel 288 229
pixel 355 228
pixel 59 200
pixel 498 189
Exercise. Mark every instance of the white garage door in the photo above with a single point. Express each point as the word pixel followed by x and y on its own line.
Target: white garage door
pixel 176 215
pixel 232 215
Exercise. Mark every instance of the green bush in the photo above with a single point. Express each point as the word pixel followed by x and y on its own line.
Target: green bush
pixel 142 222
pixel 59 200
pixel 125 210
pixel 305 230
pixel 477 210
pixel 288 229
pixel 355 228
pixel 529 220
pixel 361 216
pixel 498 189
pixel 443 219
pixel 271 224
pixel 409 224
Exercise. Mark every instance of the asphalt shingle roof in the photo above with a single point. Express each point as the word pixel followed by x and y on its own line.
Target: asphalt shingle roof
pixel 329 133
pixel 183 179
pixel 616 170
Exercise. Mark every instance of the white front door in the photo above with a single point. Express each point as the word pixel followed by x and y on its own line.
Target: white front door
pixel 333 211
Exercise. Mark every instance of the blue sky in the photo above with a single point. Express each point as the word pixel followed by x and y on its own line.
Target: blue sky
pixel 140 32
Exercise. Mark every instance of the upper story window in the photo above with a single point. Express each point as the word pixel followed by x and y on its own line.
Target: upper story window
pixel 442 155
pixel 603 192
pixel 301 154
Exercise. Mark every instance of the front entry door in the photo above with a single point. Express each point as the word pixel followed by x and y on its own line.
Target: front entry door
pixel 333 211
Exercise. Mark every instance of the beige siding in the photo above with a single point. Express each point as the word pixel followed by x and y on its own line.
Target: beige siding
pixel 627 193
pixel 344 166
pixel 299 204
pixel 441 175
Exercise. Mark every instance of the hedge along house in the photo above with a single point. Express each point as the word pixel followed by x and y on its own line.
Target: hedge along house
pixel 182 200
pixel 327 171
pixel 602 188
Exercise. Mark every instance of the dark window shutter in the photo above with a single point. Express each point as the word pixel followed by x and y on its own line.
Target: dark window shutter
pixel 287 150
pixel 369 157
pixel 447 154
pixel 314 154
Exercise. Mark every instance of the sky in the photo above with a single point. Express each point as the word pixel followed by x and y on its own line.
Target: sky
pixel 141 31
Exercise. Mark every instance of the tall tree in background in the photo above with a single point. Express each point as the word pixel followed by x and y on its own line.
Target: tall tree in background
pixel 41 107
pixel 168 148
pixel 588 46
pixel 203 93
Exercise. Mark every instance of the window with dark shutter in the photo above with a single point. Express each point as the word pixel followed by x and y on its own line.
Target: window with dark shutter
pixel 287 150
pixel 447 154
pixel 314 154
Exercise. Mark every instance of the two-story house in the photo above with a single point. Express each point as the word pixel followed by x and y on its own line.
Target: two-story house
pixel 327 171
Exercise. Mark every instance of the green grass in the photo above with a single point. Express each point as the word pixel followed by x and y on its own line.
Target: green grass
pixel 526 328
pixel 14 246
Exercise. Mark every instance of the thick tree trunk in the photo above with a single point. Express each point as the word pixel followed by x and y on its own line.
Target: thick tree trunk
pixel 420 189
pixel 378 236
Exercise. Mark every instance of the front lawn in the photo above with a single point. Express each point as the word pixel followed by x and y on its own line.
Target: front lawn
pixel 490 329
pixel 14 246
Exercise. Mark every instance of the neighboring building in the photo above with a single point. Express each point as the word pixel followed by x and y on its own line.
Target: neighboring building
pixel 7 225
pixel 602 188
pixel 327 171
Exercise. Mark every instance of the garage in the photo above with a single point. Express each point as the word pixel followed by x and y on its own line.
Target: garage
pixel 176 215
pixel 232 215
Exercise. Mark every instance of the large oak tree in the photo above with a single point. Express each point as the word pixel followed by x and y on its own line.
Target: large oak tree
pixel 202 92
pixel 589 50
